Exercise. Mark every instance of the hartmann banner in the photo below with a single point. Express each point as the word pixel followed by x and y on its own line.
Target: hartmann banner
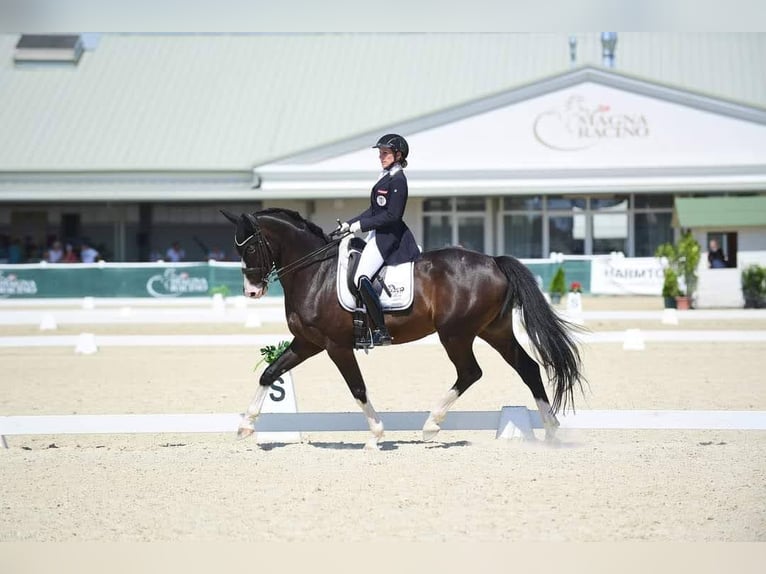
pixel 626 276
pixel 154 280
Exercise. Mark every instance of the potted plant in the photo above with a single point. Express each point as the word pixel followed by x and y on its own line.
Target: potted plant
pixel 558 285
pixel 574 298
pixel 683 257
pixel 670 288
pixel 754 286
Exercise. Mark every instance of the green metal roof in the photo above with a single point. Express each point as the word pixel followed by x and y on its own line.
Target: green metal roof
pixel 721 212
pixel 231 102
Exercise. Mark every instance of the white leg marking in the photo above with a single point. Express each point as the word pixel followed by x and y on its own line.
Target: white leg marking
pixel 374 422
pixel 247 425
pixel 432 428
pixel 550 422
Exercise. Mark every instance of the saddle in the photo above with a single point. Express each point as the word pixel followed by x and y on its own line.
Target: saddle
pixel 394 285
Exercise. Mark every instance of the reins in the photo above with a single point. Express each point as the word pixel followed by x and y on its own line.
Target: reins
pixel 275 274
pixel 266 253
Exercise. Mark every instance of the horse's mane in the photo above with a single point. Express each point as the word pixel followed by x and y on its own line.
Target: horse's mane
pixel 297 218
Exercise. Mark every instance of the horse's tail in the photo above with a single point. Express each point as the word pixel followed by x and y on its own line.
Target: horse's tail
pixel 550 334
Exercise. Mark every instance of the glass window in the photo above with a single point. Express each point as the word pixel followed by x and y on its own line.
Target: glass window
pixel 562 236
pixel 437 204
pixel 523 235
pixel 470 232
pixel 610 224
pixel 437 231
pixel 652 230
pixel 471 204
pixel 644 200
pixel 523 203
pixel 566 203
pixel 610 203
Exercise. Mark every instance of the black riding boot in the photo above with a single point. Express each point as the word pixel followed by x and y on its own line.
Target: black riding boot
pixel 380 335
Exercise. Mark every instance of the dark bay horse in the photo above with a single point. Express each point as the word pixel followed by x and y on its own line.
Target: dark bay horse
pixel 459 294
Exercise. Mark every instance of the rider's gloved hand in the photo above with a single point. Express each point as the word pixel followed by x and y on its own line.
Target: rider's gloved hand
pixel 355 227
pixel 342 228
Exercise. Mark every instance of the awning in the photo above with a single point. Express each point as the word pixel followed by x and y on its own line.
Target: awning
pixel 720 212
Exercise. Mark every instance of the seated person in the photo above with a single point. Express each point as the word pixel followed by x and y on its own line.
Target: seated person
pixel 715 257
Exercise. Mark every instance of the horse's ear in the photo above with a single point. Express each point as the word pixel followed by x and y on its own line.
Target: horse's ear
pixel 251 219
pixel 230 216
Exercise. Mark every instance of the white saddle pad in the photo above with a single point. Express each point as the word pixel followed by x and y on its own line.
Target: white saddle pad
pixel 399 280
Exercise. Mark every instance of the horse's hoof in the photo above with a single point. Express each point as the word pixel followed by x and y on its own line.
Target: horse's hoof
pixel 430 430
pixel 244 432
pixel 372 444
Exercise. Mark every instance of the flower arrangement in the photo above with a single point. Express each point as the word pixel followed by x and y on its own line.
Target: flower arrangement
pixel 575 287
pixel 271 353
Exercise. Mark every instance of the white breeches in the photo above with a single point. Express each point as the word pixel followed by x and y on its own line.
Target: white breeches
pixel 371 260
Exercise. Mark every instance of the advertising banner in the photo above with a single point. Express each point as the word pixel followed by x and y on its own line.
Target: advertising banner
pixel 626 276
pixel 155 280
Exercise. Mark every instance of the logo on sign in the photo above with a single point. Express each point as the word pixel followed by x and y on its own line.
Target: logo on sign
pixel 577 125
pixel 12 285
pixel 172 284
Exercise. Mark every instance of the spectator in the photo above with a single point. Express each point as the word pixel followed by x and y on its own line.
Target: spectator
pixel 5 243
pixel 70 255
pixel 217 254
pixel 55 253
pixel 175 253
pixel 15 251
pixel 87 253
pixel 715 257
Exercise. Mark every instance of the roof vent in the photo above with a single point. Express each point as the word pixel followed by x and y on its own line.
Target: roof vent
pixel 48 49
pixel 608 45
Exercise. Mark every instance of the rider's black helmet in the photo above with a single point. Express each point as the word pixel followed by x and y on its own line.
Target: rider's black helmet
pixel 397 143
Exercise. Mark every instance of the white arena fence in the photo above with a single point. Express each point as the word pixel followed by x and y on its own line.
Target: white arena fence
pixel 509 422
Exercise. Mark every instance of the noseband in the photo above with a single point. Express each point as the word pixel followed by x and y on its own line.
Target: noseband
pixel 259 245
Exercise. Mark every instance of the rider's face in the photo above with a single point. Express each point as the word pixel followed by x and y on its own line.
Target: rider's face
pixel 386 156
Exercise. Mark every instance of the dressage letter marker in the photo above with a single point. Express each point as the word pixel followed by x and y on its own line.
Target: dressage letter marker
pixel 280 399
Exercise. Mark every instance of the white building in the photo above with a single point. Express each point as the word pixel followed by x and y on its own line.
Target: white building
pixel 516 147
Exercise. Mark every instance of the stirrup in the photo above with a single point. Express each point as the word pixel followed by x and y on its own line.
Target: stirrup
pixel 381 338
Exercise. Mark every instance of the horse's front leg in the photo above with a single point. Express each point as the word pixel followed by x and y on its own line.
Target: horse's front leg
pixel 345 360
pixel 298 351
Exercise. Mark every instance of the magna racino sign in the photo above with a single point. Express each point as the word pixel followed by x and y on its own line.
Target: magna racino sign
pixel 172 284
pixel 577 124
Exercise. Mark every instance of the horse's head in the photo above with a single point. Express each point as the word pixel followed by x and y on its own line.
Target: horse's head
pixel 255 252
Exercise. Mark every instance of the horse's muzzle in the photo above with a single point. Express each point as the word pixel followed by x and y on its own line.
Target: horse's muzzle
pixel 255 291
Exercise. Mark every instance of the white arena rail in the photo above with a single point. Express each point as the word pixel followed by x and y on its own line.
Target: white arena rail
pixel 509 422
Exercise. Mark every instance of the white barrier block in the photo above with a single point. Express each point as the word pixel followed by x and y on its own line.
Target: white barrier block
pixel 574 312
pixel 240 302
pixel 126 312
pixel 515 423
pixel 219 303
pixel 253 319
pixel 633 341
pixel 86 344
pixel 88 303
pixel 48 323
pixel 280 399
pixel 670 317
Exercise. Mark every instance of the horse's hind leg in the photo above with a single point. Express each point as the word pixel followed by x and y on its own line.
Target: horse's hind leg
pixel 346 362
pixel 460 352
pixel 505 343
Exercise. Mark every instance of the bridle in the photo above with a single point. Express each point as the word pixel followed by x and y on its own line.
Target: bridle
pixel 258 244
